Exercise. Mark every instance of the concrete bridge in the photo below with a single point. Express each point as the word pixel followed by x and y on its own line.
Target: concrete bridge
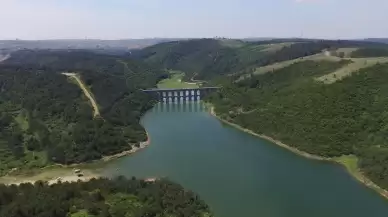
pixel 181 94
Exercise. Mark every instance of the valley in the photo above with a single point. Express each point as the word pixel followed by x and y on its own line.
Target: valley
pixel 175 81
pixel 324 100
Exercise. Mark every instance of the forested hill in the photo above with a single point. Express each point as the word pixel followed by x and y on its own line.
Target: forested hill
pixel 46 118
pixel 101 197
pixel 322 97
pixel 293 104
pixel 208 58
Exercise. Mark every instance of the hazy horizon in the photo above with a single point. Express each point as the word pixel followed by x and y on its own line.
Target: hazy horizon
pixel 181 38
pixel 121 19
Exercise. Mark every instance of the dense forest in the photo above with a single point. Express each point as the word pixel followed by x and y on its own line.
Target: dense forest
pixel 209 58
pixel 46 118
pixel 346 117
pixel 370 52
pixel 101 197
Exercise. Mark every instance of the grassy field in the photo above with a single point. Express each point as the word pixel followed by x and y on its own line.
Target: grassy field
pixel 350 162
pixel 276 47
pixel 316 57
pixel 357 64
pixel 280 65
pixel 231 43
pixel 347 51
pixel 175 81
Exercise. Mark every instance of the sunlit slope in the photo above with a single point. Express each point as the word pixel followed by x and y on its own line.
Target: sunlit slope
pixel 94 111
pixel 353 65
pixel 206 59
pixel 175 80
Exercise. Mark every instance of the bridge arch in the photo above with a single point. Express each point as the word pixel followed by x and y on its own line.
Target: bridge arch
pixel 180 94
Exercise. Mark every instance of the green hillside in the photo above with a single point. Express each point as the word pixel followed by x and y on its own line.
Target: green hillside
pixel 205 59
pixel 347 117
pixel 101 197
pixel 46 118
pixel 175 80
pixel 325 98
pixel 370 52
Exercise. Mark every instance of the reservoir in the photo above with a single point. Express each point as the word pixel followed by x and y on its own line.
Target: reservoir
pixel 240 175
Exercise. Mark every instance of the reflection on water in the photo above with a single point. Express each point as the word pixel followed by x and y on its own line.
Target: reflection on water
pixel 180 106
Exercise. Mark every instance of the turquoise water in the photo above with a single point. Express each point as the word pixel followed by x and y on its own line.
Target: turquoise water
pixel 240 175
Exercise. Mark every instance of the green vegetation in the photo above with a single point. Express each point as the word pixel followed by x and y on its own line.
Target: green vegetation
pixel 283 64
pixel 351 164
pixel 370 52
pixel 345 52
pixel 205 59
pixel 355 65
pixel 347 117
pixel 46 118
pixel 311 94
pixel 175 81
pixel 101 197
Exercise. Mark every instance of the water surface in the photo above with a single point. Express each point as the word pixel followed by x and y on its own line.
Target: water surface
pixel 240 175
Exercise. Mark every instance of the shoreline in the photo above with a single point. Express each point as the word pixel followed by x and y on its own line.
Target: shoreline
pixel 358 175
pixel 65 173
pixel 133 150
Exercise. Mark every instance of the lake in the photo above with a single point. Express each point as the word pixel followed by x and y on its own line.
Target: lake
pixel 239 175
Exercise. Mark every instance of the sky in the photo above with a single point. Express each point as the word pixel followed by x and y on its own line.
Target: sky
pixel 124 19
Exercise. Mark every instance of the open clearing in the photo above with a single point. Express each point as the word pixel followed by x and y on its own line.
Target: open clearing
pixel 175 81
pixel 86 92
pixel 276 46
pixel 316 57
pixel 51 175
pixel 280 65
pixel 347 51
pixel 231 43
pixel 357 64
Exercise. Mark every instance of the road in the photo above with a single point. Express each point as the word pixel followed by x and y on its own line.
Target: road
pixel 3 58
pixel 86 92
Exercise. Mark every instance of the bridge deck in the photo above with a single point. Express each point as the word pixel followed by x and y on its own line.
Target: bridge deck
pixel 179 89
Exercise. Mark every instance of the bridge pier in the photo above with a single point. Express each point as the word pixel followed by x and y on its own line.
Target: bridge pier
pixel 179 95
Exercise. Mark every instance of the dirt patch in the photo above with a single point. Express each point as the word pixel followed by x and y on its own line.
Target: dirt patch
pixel 51 176
pixel 86 92
pixel 142 145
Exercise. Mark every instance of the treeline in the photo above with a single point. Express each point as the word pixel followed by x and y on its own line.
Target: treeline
pixel 46 118
pixel 370 52
pixel 346 117
pixel 209 58
pixel 101 197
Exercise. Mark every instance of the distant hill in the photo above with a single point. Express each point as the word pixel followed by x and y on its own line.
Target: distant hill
pixel 380 40
pixel 322 97
pixel 81 44
pixel 207 58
